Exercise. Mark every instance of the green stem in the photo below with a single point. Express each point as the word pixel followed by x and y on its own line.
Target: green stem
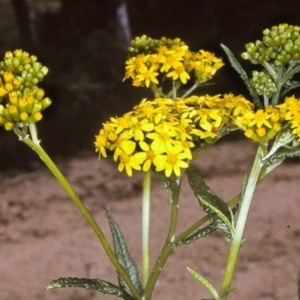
pixel 167 248
pixel 146 225
pixel 85 212
pixel 240 225
pixel 190 90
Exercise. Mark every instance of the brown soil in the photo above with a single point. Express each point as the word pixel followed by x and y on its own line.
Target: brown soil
pixel 43 236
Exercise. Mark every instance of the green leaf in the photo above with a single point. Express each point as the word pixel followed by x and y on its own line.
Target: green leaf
pixel 289 86
pixel 237 66
pixel 124 256
pixel 203 232
pixel 93 284
pixel 218 211
pixel 205 283
pixel 281 155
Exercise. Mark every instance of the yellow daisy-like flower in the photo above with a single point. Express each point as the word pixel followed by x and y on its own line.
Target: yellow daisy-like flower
pixel 172 161
pixel 179 72
pixel 100 143
pixel 128 159
pixel 261 125
pixel 147 75
pixel 150 153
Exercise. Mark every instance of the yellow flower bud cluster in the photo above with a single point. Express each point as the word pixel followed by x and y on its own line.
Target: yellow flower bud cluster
pixel 280 45
pixel 152 61
pixel 162 133
pixel 21 99
pixel 263 83
pixel 25 67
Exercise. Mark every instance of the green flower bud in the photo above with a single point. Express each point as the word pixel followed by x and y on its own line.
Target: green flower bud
pixel 7 115
pixel 30 102
pixel 39 94
pixel 35 117
pixel 15 62
pixel 37 107
pixel 2 120
pixel 46 102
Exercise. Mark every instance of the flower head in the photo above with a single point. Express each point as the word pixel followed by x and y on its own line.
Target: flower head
pixel 152 60
pixel 161 134
pixel 21 100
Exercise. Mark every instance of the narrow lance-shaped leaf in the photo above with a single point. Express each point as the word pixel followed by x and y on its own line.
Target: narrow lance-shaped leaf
pixel 205 283
pixel 214 206
pixel 237 66
pixel 124 256
pixel 98 285
pixel 203 232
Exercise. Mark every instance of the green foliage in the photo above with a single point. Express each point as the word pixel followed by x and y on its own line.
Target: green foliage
pixel 215 207
pixel 237 66
pixel 205 283
pixel 98 285
pixel 123 257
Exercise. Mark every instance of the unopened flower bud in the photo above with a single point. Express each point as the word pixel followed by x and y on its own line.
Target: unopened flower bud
pixel 37 107
pixel 46 102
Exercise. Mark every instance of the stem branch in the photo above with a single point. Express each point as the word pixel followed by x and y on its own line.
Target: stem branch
pixel 240 225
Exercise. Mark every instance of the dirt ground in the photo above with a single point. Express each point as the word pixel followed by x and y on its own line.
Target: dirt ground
pixel 43 236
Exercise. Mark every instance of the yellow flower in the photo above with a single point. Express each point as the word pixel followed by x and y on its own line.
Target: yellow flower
pixel 127 158
pixel 101 142
pixel 261 125
pixel 171 59
pixel 172 161
pixel 137 128
pixel 150 152
pixel 147 75
pixel 179 72
pixel 163 135
pixel 260 118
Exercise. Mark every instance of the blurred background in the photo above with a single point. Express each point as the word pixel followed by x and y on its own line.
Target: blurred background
pixel 84 43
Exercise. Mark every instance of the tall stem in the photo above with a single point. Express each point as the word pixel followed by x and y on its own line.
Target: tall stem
pixel 146 225
pixel 240 225
pixel 85 212
pixel 167 248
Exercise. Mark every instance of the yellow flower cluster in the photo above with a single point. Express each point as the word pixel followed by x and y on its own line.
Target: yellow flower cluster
pixel 290 109
pixel 171 60
pixel 162 133
pixel 21 99
pixel 263 124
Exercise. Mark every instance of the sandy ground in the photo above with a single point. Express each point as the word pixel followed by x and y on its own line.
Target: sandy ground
pixel 43 236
